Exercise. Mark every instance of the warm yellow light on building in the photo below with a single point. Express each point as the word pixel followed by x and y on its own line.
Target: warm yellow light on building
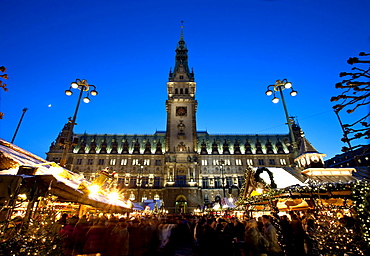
pixel 94 189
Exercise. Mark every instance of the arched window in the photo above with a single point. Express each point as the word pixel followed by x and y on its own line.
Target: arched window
pixel 181 91
pixel 186 91
pixel 176 91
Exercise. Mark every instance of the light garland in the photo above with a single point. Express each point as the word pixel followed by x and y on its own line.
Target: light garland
pixel 358 192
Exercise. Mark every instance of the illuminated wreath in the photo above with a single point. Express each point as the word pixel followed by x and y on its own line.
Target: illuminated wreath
pixel 264 169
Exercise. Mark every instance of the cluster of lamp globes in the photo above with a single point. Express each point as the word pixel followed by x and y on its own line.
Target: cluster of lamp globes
pixel 279 86
pixel 84 86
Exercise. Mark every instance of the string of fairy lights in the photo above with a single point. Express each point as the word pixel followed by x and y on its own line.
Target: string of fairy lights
pixel 331 234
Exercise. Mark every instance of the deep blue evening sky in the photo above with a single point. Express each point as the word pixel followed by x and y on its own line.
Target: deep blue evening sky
pixel 126 48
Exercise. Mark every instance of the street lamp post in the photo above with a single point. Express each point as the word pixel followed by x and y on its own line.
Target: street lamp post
pixel 19 124
pixel 83 86
pixel 279 86
pixel 221 163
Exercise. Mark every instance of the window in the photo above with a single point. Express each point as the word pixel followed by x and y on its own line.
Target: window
pixel 282 161
pixel 250 162
pixel 123 161
pixel 181 77
pixel 261 162
pixel 157 182
pixel 101 162
pixel 90 161
pixel 206 200
pixel 112 162
pixel 181 180
pixel 205 182
pixel 272 161
pixel 151 180
pixel 144 181
pixel 158 162
pixel 146 162
pixel 79 161
pixel 204 162
pixel 121 182
pixel 240 181
pixel 235 180
pixel 217 162
pixel 238 162
pixel 229 181
pixel 218 182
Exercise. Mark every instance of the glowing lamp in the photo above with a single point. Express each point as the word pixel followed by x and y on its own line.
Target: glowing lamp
pixel 293 93
pixel 86 100
pixel 74 85
pixel 268 92
pixel 94 93
pixel 275 100
pixel 69 92
pixel 288 85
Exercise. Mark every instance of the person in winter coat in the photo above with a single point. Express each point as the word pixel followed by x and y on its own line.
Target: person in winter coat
pixel 95 237
pixel 269 232
pixel 79 235
pixel 66 234
pixel 116 238
pixel 255 243
pixel 298 235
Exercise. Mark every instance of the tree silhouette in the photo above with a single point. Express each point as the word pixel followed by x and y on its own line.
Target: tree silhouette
pixel 355 95
pixel 2 84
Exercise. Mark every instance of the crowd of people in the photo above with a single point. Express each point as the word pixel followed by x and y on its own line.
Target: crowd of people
pixel 204 235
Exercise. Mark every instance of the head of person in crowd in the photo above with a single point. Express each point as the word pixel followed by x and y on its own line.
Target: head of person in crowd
pixel 73 220
pixel 122 223
pixel 251 224
pixel 265 219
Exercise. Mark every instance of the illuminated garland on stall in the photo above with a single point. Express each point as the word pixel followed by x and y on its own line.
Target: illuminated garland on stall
pixel 264 169
pixel 331 235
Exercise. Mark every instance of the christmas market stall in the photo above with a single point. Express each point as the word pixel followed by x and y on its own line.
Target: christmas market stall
pixel 333 205
pixel 26 176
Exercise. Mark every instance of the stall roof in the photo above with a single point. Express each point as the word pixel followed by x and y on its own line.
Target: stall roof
pixel 62 182
pixel 283 177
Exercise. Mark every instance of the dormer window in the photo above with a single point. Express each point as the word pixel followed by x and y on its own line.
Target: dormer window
pixel 181 77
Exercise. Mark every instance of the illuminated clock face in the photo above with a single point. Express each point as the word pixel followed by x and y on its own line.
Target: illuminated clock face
pixel 314 158
pixel 181 111
pixel 303 161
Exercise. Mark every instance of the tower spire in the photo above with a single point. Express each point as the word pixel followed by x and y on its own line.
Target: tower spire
pixel 182 30
pixel 181 72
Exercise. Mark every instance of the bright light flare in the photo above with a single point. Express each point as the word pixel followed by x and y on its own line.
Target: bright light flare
pixel 275 100
pixel 259 190
pixel 94 189
pixel 113 196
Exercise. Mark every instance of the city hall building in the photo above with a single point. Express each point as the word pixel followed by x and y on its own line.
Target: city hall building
pixel 183 167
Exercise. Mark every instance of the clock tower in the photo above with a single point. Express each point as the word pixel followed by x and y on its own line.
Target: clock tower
pixel 181 106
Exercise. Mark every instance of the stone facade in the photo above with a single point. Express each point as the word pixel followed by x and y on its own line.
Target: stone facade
pixel 183 167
